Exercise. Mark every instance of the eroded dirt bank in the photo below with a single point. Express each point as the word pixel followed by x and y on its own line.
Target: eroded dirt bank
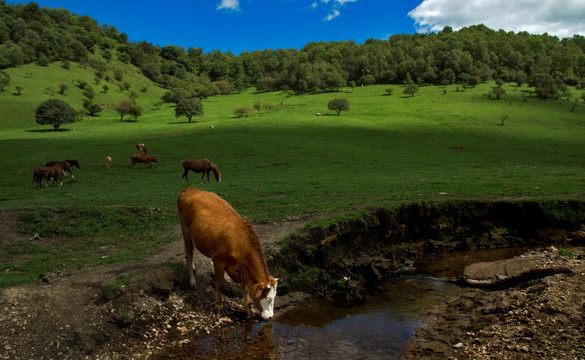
pixel 70 316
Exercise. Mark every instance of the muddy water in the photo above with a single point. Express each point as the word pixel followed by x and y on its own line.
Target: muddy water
pixel 378 329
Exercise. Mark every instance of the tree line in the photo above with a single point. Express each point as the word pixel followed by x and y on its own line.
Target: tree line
pixel 30 34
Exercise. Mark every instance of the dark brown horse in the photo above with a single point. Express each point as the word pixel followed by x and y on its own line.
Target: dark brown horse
pixel 203 166
pixel 71 163
pixel 47 172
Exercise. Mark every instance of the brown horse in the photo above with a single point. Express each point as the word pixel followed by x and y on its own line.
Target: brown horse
pixel 142 158
pixel 203 166
pixel 71 163
pixel 56 172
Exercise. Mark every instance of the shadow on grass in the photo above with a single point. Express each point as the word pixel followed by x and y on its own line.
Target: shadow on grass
pixel 47 130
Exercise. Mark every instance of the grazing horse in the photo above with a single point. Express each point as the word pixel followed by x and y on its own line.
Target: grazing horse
pixel 108 161
pixel 141 149
pixel 211 225
pixel 69 162
pixel 142 158
pixel 203 166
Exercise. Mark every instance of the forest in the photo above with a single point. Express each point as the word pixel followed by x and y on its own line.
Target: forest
pixel 30 34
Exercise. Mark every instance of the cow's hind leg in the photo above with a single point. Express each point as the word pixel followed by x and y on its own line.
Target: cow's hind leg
pixel 219 284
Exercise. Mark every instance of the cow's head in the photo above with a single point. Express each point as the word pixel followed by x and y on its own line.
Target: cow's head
pixel 263 297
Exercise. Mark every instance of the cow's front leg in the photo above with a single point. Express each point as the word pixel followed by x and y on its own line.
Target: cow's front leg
pixel 219 284
pixel 202 177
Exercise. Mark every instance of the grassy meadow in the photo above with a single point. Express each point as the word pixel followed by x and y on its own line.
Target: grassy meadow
pixel 440 144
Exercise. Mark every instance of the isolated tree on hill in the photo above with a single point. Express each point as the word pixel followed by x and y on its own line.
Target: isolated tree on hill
pixel 411 89
pixel 62 88
pixel 124 108
pixel 55 113
pixel 189 108
pixel 338 105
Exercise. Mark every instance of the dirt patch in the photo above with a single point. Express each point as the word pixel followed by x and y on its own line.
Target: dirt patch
pixel 71 316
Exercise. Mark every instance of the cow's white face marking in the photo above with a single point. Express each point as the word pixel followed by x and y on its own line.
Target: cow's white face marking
pixel 268 304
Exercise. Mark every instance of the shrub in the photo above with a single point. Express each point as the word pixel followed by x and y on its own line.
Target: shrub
pixel 242 111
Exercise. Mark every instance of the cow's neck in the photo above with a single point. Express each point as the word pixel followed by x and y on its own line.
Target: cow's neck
pixel 255 272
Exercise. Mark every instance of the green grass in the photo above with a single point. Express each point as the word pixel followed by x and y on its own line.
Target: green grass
pixel 385 151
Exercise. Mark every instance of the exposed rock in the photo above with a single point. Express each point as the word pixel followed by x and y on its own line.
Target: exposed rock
pixel 509 272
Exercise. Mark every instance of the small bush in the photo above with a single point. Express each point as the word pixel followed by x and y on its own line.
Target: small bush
pixel 242 111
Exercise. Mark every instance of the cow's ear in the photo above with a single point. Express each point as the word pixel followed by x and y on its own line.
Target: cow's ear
pixel 258 290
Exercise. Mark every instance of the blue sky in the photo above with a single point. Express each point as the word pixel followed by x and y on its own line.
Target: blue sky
pixel 248 25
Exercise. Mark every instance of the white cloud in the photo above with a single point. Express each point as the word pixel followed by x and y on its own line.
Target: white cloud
pixel 335 6
pixel 229 4
pixel 332 15
pixel 562 18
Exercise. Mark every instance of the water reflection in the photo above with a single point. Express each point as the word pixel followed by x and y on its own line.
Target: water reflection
pixel 378 329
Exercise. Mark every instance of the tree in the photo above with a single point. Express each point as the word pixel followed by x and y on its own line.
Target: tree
pixel 124 108
pixel 338 105
pixel 189 108
pixel 544 85
pixel 91 107
pixel 55 113
pixel 135 111
pixel 89 92
pixel 498 92
pixel 410 89
pixel 62 88
pixel 19 90
pixel 4 80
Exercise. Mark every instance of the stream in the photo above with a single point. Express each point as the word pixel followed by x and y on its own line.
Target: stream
pixel 378 329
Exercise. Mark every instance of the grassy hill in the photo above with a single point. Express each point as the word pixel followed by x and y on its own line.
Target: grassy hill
pixel 441 144
pixel 385 150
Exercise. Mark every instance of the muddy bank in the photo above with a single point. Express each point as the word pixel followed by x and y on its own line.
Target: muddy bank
pixel 334 261
pixel 80 319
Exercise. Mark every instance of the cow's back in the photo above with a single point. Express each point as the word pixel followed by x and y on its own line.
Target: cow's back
pixel 213 225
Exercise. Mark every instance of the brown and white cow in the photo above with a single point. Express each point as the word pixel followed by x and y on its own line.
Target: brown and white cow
pixel 142 158
pixel 211 225
pixel 141 149
pixel 108 161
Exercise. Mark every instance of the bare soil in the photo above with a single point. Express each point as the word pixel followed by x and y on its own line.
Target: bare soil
pixel 71 316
